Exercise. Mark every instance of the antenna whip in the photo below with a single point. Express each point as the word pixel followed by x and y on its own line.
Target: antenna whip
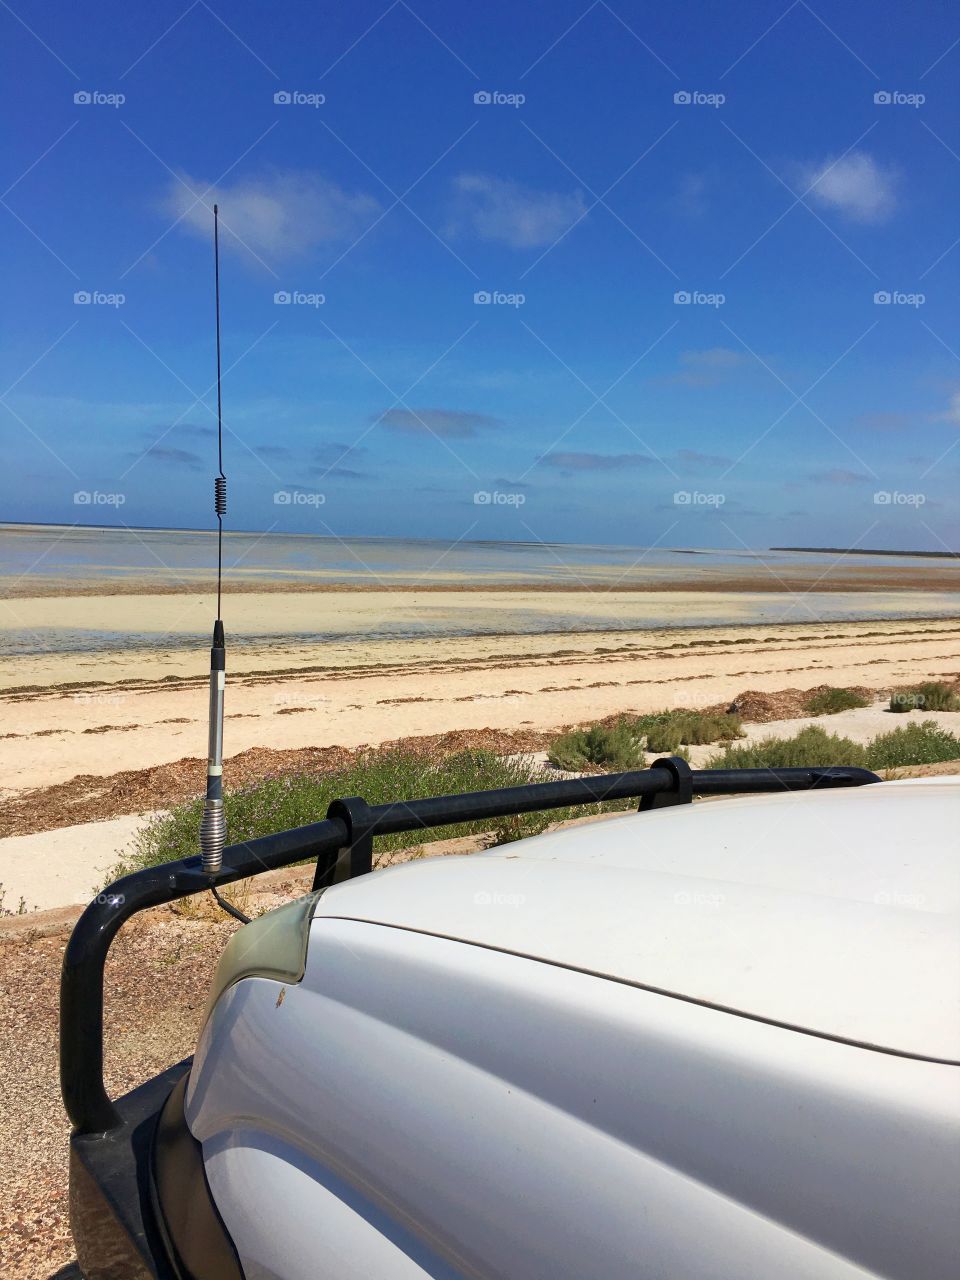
pixel 213 827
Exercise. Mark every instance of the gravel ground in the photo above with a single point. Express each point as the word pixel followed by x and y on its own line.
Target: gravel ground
pixel 157 979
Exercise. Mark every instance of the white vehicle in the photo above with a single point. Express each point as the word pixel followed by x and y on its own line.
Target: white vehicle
pixel 708 1041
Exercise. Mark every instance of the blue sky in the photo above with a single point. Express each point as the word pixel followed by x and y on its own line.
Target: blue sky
pixel 630 157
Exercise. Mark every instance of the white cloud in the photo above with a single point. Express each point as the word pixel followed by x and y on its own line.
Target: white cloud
pixel 953 412
pixel 276 216
pixel 855 185
pixel 518 216
pixel 708 368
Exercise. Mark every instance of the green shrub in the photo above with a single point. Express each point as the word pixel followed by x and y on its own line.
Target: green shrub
pixel 691 728
pixel 827 702
pixel 616 747
pixel 923 743
pixel 932 695
pixel 277 804
pixel 811 746
pixel 621 745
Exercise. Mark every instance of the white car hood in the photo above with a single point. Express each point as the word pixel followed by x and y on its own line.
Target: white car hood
pixel 836 912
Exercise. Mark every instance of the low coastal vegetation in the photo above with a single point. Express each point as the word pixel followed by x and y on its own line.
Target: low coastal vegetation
pixel 924 743
pixel 621 744
pixel 617 746
pixel 626 742
pixel 831 699
pixel 388 774
pixel 933 695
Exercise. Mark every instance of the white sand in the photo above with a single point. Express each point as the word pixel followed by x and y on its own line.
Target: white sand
pixel 366 694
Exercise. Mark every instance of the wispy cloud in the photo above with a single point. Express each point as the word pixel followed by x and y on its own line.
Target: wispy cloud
pixel 502 210
pixel 884 421
pixel 448 423
pixel 188 429
pixel 277 451
pixel 855 185
pixel 594 461
pixel 277 216
pixel 837 475
pixel 177 457
pixel 693 458
pixel 335 449
pixel 347 473
pixel 952 413
pixel 709 367
pixel 327 456
pixel 691 195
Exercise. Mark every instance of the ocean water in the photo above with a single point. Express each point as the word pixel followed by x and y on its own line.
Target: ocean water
pixel 54 561
pixel 170 558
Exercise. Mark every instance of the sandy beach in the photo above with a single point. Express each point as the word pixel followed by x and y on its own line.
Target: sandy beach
pixel 71 713
pixel 333 647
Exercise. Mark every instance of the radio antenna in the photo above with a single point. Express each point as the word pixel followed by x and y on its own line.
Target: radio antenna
pixel 213 827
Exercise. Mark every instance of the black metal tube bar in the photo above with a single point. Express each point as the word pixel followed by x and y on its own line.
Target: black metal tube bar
pixel 475 806
pixel 81 983
pixel 725 782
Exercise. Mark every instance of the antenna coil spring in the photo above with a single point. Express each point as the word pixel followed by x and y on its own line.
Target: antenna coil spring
pixel 213 836
pixel 220 495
